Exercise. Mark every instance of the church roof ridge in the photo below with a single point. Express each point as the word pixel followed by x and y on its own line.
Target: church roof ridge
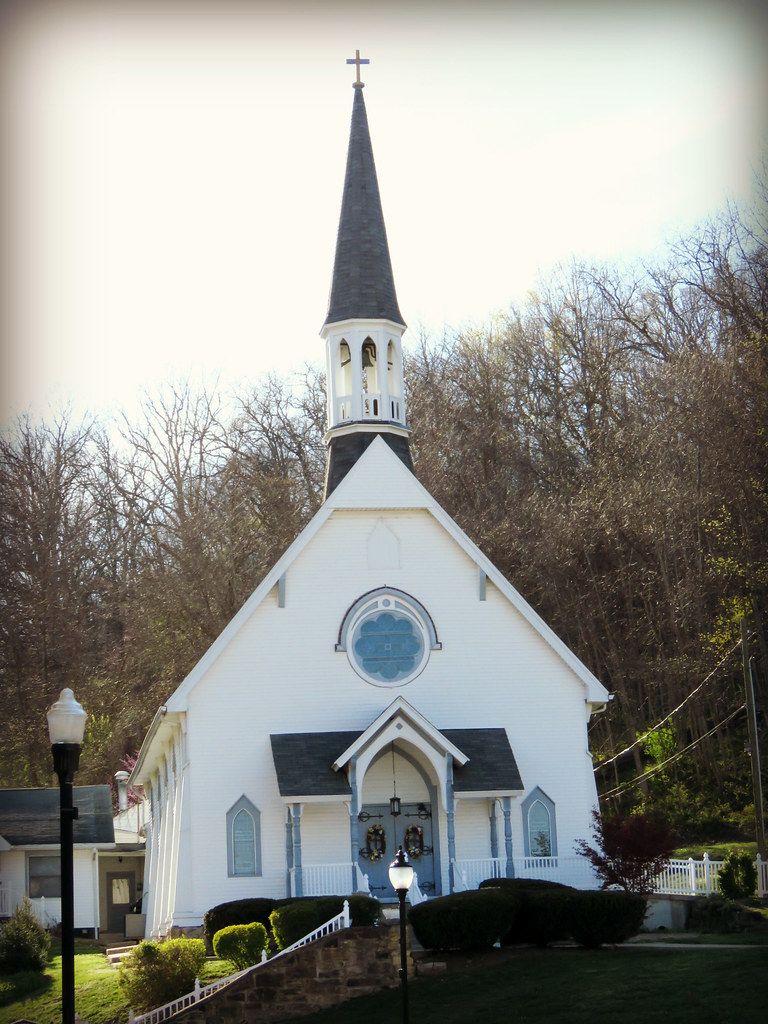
pixel 418 497
pixel 362 286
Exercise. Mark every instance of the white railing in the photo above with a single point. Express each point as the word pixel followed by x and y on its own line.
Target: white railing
pixel 329 879
pixel 47 910
pixel 343 408
pixel 415 895
pixel 161 1013
pixel 468 874
pixel 9 900
pixel 680 877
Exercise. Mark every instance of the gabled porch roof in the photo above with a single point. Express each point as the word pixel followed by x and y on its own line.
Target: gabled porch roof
pixel 304 764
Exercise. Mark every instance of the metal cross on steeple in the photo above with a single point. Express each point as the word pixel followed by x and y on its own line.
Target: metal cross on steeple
pixel 358 60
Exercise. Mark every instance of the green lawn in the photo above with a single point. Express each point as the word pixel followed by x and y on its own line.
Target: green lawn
pixel 639 986
pixel 716 851
pixel 97 996
pixel 624 986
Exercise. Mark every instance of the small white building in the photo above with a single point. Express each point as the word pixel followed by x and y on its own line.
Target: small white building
pixel 108 875
pixel 384 685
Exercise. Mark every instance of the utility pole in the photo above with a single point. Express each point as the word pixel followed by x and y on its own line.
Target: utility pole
pixel 757 784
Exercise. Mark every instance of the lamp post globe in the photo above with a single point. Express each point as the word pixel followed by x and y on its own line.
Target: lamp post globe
pixel 400 872
pixel 66 728
pixel 66 719
pixel 401 880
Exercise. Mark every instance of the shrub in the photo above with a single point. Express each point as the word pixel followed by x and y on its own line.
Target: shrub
pixel 24 943
pixel 600 917
pixel 716 914
pixel 524 884
pixel 295 920
pixel 631 850
pixel 364 910
pixel 466 920
pixel 543 916
pixel 238 912
pixel 737 878
pixel 241 943
pixel 154 973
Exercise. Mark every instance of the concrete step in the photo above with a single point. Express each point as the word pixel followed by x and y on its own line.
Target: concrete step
pixel 115 954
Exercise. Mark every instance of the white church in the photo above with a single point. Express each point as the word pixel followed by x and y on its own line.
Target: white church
pixel 384 685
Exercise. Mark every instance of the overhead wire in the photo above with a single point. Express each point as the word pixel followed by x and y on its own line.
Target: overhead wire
pixel 666 718
pixel 618 790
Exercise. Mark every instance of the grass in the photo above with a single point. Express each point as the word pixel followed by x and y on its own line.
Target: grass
pixel 716 851
pixel 98 997
pixel 38 996
pixel 569 986
pixel 704 938
pixel 582 987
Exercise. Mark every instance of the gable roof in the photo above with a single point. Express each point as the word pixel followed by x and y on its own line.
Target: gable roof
pixel 303 762
pixel 30 817
pixel 400 708
pixel 379 480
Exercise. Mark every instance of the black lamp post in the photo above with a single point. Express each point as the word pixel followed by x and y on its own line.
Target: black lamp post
pixel 66 725
pixel 401 879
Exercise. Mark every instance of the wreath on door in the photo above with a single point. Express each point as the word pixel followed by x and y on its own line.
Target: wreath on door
pixel 375 843
pixel 413 840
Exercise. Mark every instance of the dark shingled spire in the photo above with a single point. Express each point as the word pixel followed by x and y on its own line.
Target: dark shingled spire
pixel 363 286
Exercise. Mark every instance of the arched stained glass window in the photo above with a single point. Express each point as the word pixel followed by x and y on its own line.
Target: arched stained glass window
pixel 243 844
pixel 539 830
pixel 243 839
pixel 539 825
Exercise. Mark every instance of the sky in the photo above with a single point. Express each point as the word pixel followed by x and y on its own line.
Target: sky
pixel 172 171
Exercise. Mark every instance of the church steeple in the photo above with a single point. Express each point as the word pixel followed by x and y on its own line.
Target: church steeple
pixel 364 325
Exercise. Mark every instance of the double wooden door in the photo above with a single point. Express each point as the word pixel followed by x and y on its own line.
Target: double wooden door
pixel 380 835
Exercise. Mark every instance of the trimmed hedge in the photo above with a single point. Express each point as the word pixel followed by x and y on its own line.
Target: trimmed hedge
pixel 524 885
pixel 606 917
pixel 238 912
pixel 543 916
pixel 296 918
pixel 364 910
pixel 465 920
pixel 241 943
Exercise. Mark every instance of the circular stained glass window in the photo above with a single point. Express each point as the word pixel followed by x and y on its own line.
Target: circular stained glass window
pixel 388 643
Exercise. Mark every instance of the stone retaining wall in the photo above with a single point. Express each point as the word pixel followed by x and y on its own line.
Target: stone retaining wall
pixel 349 963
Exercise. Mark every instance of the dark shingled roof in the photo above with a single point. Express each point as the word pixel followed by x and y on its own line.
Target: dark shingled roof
pixel 303 762
pixel 491 764
pixel 363 286
pixel 30 817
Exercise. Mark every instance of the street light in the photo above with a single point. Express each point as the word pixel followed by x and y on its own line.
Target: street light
pixel 66 725
pixel 401 879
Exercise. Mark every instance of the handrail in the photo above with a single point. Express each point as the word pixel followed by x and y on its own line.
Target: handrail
pixel 161 1013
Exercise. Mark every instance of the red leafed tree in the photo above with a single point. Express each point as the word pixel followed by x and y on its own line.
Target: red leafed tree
pixel 630 850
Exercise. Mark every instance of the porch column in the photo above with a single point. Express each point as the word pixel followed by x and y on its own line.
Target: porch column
pixel 449 814
pixel 494 829
pixel 288 851
pixel 354 822
pixel 506 807
pixel 296 818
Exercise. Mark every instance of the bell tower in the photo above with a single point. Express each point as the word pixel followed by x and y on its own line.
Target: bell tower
pixel 364 327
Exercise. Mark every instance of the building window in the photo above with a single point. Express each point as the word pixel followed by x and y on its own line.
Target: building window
pixel 44 876
pixel 539 825
pixel 243 839
pixel 388 637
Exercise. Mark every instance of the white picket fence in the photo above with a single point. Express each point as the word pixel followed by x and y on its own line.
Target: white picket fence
pixel 161 1013
pixel 680 877
pixel 700 877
